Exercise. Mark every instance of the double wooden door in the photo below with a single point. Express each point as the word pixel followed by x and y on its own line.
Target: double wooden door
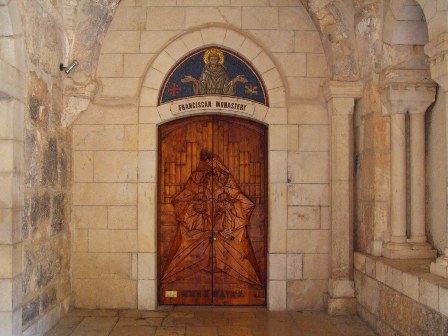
pixel 212 211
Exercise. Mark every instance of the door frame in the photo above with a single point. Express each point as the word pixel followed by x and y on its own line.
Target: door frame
pixel 219 116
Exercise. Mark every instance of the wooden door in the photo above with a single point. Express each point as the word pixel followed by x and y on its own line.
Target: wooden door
pixel 212 214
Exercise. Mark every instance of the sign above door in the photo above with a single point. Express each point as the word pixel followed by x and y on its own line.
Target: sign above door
pixel 213 71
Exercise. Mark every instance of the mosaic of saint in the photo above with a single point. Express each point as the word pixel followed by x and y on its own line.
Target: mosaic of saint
pixel 213 71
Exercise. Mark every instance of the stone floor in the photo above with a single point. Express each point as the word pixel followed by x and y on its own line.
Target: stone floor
pixel 206 321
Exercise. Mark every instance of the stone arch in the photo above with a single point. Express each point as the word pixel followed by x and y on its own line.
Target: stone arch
pixel 277 180
pixel 12 109
pixel 221 36
pixel 334 21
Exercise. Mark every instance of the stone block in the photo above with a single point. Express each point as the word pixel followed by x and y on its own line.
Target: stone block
pixel 11 323
pixel 260 18
pixel 293 138
pixel 394 278
pixel 278 137
pixel 276 295
pixel 278 166
pixel 101 265
pixel 295 18
pixel 278 217
pixel 81 240
pixel 308 41
pixel 128 18
pixel 135 64
pixel 370 267
pixel 308 167
pixel 147 217
pixel 193 40
pixel 147 266
pixel 294 266
pixel 292 64
pixel 325 217
pixel 162 18
pixel 306 294
pixel 153 79
pixel 315 266
pixel 115 166
pixel 233 40
pixel 112 240
pixel 130 137
pixel 411 286
pixel 117 42
pixel 277 266
pixel 122 217
pixel 429 294
pixel 308 241
pixel 395 309
pixel 83 166
pixel 277 116
pixel 368 293
pixel 341 306
pixel 314 138
pixel 85 217
pixel 427 322
pixel 316 65
pixel 153 41
pixel 277 97
pixel 307 114
pixel 275 40
pixel 272 79
pixel 359 261
pixel 147 137
pixel 304 87
pixel 110 65
pixel 303 218
pixel 196 16
pixel 149 115
pixel 263 63
pixel 147 294
pixel 98 137
pixel 98 114
pixel 7 154
pixel 115 293
pixel 381 271
pixel 120 87
pixel 308 194
pixel 104 194
pixel 443 300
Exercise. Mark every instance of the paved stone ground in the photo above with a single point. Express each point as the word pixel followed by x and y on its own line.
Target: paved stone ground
pixel 206 321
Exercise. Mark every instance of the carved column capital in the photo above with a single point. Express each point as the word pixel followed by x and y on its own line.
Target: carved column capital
pixel 407 91
pixel 342 89
pixel 437 50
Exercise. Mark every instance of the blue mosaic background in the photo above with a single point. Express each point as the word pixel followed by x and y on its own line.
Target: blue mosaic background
pixel 174 89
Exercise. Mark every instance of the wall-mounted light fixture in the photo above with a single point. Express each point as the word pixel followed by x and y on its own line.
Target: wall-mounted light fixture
pixel 69 68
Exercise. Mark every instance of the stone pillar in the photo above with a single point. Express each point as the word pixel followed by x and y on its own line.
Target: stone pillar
pixel 340 98
pixel 417 160
pixel 407 91
pixel 437 50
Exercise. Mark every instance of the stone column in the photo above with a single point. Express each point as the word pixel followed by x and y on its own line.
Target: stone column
pixel 340 98
pixel 417 160
pixel 407 91
pixel 437 50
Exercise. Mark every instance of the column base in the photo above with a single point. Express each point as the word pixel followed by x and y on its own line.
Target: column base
pixel 340 306
pixel 440 266
pixel 409 250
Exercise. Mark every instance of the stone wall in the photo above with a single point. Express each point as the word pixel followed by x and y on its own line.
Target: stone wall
pixel 45 226
pixel 400 297
pixel 115 148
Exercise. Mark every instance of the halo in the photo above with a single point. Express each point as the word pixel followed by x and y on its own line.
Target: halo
pixel 214 51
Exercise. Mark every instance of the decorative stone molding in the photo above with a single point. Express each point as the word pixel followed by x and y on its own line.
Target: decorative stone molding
pixel 437 50
pixel 406 91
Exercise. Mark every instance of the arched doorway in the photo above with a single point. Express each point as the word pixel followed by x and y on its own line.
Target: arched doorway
pixel 212 211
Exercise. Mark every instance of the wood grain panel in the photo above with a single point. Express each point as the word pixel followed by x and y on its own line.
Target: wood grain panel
pixel 212 211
